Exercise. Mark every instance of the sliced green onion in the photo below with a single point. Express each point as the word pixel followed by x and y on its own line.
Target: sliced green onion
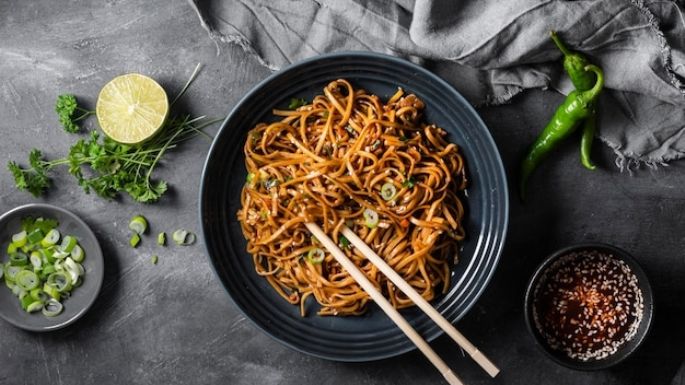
pixel 316 256
pixel 135 240
pixel 52 308
pixel 388 191
pixel 371 218
pixel 60 254
pixel 34 306
pixel 51 238
pixel 47 270
pixel 138 224
pixel 73 269
pixel 27 280
pixel 250 178
pixel 68 244
pixel 18 291
pixel 35 236
pixel 60 281
pixel 161 238
pixel 77 254
pixel 183 237
pixel 38 294
pixel 19 259
pixel 26 300
pixel 48 255
pixel 36 259
pixel 19 239
pixel 154 259
pixel 11 272
pixel 11 248
pixel 52 291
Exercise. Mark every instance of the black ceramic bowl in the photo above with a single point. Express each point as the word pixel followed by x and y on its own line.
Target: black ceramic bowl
pixel 625 350
pixel 371 336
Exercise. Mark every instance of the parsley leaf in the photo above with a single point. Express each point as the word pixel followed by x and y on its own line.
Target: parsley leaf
pixel 409 182
pixel 344 242
pixel 69 112
pixel 295 103
pixel 34 179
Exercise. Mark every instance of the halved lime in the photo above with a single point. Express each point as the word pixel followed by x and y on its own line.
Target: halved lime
pixel 131 108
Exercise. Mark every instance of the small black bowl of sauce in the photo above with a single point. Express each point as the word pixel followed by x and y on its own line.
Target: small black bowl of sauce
pixel 589 306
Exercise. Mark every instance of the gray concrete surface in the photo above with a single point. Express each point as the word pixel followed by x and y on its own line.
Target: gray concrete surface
pixel 173 323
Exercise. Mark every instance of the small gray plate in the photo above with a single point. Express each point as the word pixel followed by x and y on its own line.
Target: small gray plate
pixel 81 298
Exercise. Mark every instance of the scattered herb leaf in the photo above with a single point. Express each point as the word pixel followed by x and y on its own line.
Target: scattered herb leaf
pixel 70 113
pixel 296 103
pixel 344 242
pixel 409 182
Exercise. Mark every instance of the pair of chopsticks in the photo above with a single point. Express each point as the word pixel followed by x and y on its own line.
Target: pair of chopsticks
pixel 394 315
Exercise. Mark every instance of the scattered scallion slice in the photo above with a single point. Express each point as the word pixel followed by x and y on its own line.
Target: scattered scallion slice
pixel 154 259
pixel 52 291
pixel 11 271
pixel 388 191
pixel 52 308
pixel 19 259
pixel 183 237
pixel 161 238
pixel 316 256
pixel 77 254
pixel 51 238
pixel 60 281
pixel 36 259
pixel 60 254
pixel 20 239
pixel 135 240
pixel 27 280
pixel 35 236
pixel 34 306
pixel 371 218
pixel 38 294
pixel 68 244
pixel 25 301
pixel 138 224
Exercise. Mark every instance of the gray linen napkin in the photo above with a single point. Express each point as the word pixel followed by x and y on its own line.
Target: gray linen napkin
pixel 640 44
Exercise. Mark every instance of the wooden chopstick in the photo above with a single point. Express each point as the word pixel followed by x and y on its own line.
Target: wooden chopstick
pixel 445 325
pixel 383 303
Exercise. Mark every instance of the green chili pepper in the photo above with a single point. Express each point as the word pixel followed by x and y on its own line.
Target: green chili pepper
pixel 574 64
pixel 577 106
pixel 589 127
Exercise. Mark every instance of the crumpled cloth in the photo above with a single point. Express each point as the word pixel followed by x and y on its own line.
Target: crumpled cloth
pixel 639 44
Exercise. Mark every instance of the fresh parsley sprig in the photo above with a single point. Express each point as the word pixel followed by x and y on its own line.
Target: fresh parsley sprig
pixel 106 167
pixel 70 113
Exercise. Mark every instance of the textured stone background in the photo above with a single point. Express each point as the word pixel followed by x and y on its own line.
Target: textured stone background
pixel 173 323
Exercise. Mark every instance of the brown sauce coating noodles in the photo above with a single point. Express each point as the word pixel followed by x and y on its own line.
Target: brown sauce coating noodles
pixel 332 161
